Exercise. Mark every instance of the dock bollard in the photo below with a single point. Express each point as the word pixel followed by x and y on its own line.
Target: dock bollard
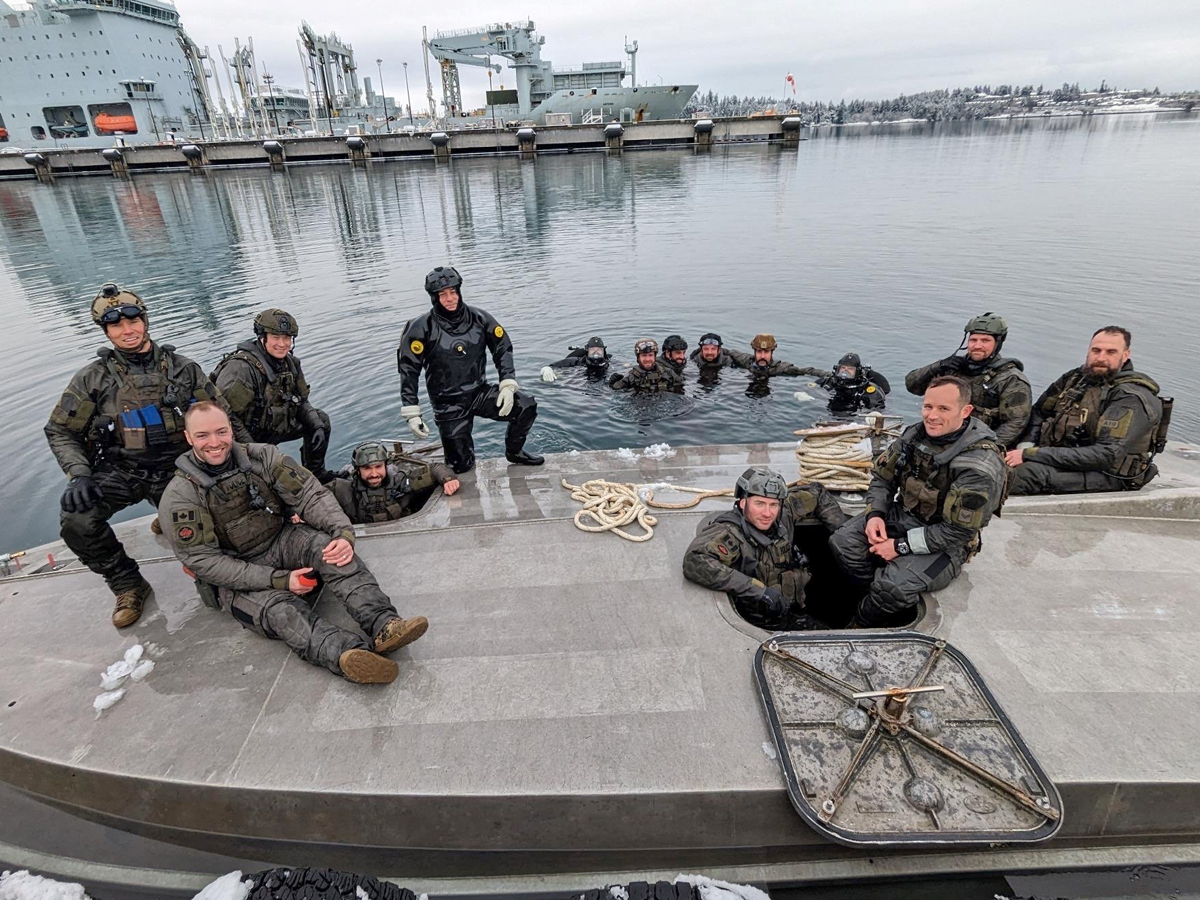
pixel 614 136
pixel 41 167
pixel 441 146
pixel 116 161
pixel 274 151
pixel 194 155
pixel 791 131
pixel 359 151
pixel 703 130
pixel 526 142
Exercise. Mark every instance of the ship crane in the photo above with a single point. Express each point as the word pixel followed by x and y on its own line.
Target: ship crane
pixel 515 42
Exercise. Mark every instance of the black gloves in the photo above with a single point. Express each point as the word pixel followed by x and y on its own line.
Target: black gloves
pixel 81 494
pixel 773 602
pixel 317 441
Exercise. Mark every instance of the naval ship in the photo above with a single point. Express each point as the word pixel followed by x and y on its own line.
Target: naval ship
pixel 83 73
pixel 591 94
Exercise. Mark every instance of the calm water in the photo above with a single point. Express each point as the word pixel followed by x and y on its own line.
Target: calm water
pixel 880 241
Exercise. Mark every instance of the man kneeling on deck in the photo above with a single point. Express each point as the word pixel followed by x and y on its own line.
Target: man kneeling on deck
pixel 228 512
pixel 750 551
pixel 382 486
pixel 931 493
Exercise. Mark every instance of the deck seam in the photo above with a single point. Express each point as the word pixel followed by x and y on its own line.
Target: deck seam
pixel 250 733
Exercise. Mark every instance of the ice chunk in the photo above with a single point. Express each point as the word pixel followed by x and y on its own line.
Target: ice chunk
pixel 112 677
pixel 626 454
pixel 769 749
pixel 107 699
pixel 618 893
pixel 712 889
pixel 361 893
pixel 643 490
pixel 229 886
pixel 24 885
pixel 658 451
pixel 142 669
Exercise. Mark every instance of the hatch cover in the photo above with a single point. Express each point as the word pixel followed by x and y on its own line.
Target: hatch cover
pixel 893 738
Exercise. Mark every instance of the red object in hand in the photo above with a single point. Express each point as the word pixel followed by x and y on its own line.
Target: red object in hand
pixel 308 580
pixel 189 573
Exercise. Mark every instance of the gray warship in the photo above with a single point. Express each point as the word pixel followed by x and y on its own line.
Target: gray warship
pixel 578 714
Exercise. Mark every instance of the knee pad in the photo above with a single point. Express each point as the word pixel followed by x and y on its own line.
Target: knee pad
pixel 888 597
pixel 283 618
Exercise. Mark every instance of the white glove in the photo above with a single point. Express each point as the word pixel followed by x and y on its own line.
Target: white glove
pixel 802 396
pixel 1024 445
pixel 504 401
pixel 415 423
pixel 548 374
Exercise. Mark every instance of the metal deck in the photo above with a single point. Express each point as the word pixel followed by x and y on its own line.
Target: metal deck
pixel 576 705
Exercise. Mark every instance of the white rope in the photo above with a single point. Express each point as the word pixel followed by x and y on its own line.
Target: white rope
pixel 611 506
pixel 840 457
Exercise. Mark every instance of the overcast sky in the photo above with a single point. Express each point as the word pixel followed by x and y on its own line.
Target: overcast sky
pixel 855 48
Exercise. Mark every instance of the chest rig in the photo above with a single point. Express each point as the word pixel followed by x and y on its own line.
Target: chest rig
pixel 148 407
pixel 246 512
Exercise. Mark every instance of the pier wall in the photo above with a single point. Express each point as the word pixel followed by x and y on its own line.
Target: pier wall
pixel 331 149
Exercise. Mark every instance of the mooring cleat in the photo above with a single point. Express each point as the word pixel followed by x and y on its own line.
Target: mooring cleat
pixel 364 667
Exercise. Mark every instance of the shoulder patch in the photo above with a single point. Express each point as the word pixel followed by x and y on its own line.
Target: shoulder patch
pixel 185 533
pixel 183 515
pixel 498 331
pixel 870 388
pixel 417 348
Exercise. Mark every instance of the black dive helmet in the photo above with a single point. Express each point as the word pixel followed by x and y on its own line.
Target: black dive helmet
pixel 849 361
pixel 674 342
pixel 597 352
pixel 441 278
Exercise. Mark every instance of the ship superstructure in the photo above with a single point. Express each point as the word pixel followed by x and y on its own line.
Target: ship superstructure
pixel 82 73
pixel 543 95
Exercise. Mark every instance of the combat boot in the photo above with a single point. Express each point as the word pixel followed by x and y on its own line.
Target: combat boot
pixel 129 604
pixel 398 632
pixel 364 667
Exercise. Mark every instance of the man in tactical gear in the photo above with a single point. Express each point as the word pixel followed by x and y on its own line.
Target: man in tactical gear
pixel 116 433
pixel 763 364
pixel 383 486
pixel 266 391
pixel 932 492
pixel 711 357
pixel 594 355
pixel 853 386
pixel 227 513
pixel 1096 428
pixel 650 375
pixel 1000 393
pixel 674 353
pixel 750 552
pixel 450 343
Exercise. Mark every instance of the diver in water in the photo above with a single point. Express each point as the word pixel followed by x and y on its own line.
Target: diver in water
pixel 853 386
pixel 593 355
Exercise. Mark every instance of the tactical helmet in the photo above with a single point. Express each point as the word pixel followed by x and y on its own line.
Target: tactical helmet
pixel 988 323
pixel 645 345
pixel 710 338
pixel 275 321
pixel 441 278
pixel 369 452
pixel 674 342
pixel 759 481
pixel 763 342
pixel 113 297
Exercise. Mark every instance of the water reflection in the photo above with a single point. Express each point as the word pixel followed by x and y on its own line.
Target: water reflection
pixel 878 240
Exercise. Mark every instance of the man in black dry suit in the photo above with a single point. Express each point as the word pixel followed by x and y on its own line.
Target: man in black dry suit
pixel 450 343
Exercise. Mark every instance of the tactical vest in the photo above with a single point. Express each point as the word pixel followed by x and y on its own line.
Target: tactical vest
pixel 649 379
pixel 276 408
pixel 246 512
pixel 924 484
pixel 985 394
pixel 1074 419
pixel 776 563
pixel 149 406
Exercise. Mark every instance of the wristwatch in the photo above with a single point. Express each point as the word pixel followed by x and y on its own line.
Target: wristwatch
pixel 902 547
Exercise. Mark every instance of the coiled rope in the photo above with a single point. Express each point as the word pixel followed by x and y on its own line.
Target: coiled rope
pixel 840 456
pixel 611 506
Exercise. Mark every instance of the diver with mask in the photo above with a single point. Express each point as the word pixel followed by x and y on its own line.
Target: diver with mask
pixel 593 355
pixel 853 386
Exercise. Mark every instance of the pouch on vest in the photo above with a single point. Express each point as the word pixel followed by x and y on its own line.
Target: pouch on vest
pixel 133 430
pixel 791 585
pixel 919 498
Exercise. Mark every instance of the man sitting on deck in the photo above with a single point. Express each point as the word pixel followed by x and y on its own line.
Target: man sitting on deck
pixel 227 513
pixel 932 492
pixel 1096 428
